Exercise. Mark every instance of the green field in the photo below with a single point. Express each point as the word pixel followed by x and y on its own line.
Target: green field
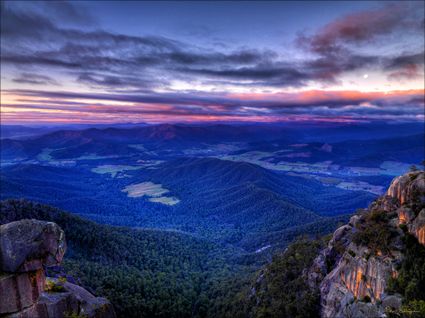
pixel 165 200
pixel 155 192
pixel 113 170
pixel 45 154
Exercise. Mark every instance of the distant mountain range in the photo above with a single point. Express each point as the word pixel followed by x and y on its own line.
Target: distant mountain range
pixel 232 198
pixel 119 141
pixel 73 143
pixel 31 131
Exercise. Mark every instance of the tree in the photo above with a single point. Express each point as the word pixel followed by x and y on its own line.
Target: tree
pixel 413 168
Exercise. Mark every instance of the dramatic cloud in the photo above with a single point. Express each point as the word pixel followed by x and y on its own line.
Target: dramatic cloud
pixel 337 41
pixel 361 27
pixel 48 43
pixel 35 79
pixel 101 51
pixel 360 106
pixel 408 66
pixel 100 80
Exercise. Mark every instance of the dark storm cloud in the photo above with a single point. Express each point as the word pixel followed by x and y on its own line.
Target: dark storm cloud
pixel 404 60
pixel 104 51
pixel 116 81
pixel 150 98
pixel 270 74
pixel 335 42
pixel 240 57
pixel 361 27
pixel 138 71
pixel 314 100
pixel 65 11
pixel 328 68
pixel 20 24
pixel 37 79
pixel 34 37
pixel 289 74
pixel 39 60
pixel 408 66
pixel 39 18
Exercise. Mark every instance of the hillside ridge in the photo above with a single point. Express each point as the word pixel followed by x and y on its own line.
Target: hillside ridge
pixel 358 272
pixel 370 267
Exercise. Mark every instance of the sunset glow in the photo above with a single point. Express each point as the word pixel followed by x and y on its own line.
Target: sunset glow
pixel 77 64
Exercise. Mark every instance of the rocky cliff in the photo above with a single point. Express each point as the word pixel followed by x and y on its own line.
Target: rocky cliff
pixel 353 272
pixel 27 247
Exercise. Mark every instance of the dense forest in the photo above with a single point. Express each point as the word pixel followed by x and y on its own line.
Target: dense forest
pixel 281 289
pixel 157 273
pixel 147 273
pixel 227 202
pixel 410 282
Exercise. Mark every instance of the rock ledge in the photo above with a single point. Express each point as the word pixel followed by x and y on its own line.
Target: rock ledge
pixel 26 248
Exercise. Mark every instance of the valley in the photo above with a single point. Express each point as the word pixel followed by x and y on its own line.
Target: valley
pixel 234 197
pixel 249 185
pixel 212 159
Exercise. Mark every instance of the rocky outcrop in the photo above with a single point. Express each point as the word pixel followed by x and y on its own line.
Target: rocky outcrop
pixel 417 227
pixel 351 275
pixel 27 245
pixel 26 248
pixel 357 278
pixel 20 290
pixel 409 191
pixel 408 187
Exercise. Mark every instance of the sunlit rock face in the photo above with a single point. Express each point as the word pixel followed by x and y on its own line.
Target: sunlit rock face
pixel 405 215
pixel 356 276
pixel 26 247
pixel 408 188
pixel 417 227
pixel 352 278
pixel 366 278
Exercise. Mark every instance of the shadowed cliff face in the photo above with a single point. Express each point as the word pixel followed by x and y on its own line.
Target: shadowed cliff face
pixel 353 271
pixel 29 244
pixel 26 247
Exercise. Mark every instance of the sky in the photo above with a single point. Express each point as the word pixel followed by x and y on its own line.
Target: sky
pixel 178 61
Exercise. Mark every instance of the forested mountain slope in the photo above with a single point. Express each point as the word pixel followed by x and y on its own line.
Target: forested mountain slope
pixel 170 274
pixel 225 201
pixel 371 267
pixel 148 273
